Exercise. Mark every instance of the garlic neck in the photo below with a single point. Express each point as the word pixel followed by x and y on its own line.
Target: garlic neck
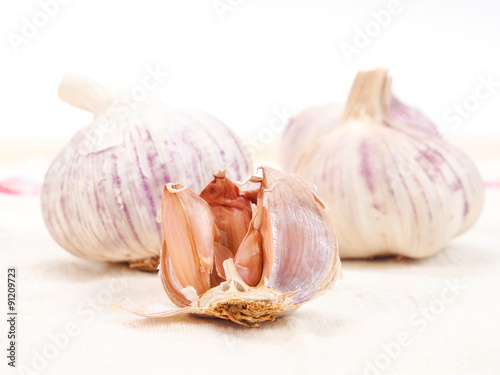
pixel 370 96
pixel 85 93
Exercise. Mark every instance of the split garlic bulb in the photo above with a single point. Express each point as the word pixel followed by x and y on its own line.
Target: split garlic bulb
pixel 395 186
pixel 101 194
pixel 246 256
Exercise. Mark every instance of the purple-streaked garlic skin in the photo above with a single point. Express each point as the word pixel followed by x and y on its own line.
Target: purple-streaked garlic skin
pixel 102 192
pixel 411 117
pixel 304 128
pixel 395 186
pixel 312 123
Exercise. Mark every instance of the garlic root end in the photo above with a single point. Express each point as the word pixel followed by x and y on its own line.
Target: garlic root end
pixel 148 264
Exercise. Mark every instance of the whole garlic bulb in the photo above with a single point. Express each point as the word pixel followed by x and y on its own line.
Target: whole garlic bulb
pixel 395 186
pixel 102 192
pixel 218 260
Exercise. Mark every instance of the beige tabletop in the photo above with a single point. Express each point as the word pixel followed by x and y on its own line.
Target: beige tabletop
pixel 433 316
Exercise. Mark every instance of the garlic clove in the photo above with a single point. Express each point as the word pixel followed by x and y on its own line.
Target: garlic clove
pixel 221 253
pixel 170 281
pixel 297 237
pixel 248 259
pixel 232 210
pixel 189 230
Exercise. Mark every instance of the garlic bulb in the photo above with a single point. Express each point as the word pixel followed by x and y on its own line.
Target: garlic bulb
pixel 245 256
pixel 100 195
pixel 394 185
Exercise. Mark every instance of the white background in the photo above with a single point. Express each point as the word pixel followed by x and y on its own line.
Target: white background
pixel 260 56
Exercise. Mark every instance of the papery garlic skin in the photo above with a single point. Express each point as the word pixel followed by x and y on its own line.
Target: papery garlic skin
pixel 232 210
pixel 100 195
pixel 395 187
pixel 304 128
pixel 300 249
pixel 314 122
pixel 289 254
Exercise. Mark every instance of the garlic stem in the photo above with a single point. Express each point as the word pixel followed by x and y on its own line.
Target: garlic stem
pixel 83 92
pixel 233 277
pixel 370 96
pixel 386 96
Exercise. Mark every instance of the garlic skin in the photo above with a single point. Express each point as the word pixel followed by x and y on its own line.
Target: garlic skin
pixel 314 122
pixel 305 128
pixel 100 195
pixel 289 254
pixel 394 185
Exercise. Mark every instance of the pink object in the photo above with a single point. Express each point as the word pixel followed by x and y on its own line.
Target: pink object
pixel 18 186
pixel 492 184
